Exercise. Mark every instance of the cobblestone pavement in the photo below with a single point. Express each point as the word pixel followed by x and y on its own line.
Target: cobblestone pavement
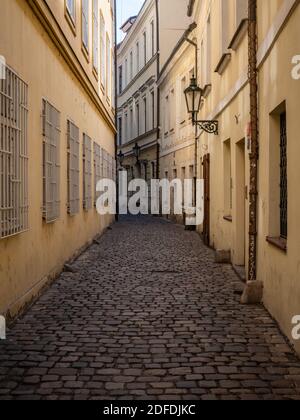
pixel 146 315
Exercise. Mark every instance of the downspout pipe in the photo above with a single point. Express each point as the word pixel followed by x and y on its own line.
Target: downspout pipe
pixel 116 111
pixel 157 90
pixel 253 292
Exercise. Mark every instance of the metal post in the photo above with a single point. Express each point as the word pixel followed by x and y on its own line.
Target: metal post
pixel 116 111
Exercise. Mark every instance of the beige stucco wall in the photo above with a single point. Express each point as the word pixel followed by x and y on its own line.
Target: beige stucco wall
pixel 280 271
pixel 29 259
pixel 228 101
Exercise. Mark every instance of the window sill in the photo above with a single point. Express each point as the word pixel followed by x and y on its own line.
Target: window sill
pixel 279 243
pixel 207 90
pixel 223 63
pixel 239 35
pixel 228 218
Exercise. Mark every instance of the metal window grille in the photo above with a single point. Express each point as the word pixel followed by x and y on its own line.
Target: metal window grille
pixel 87 172
pixel 97 167
pixel 51 162
pixel 105 166
pixel 13 155
pixel 283 178
pixel 73 169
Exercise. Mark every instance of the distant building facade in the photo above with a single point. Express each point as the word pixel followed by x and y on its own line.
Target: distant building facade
pixel 150 37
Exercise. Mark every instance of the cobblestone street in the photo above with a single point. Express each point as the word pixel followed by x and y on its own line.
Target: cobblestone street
pixel 146 314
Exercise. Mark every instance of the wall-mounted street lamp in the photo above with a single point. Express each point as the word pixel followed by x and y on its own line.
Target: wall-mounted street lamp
pixel 193 97
pixel 136 151
pixel 121 157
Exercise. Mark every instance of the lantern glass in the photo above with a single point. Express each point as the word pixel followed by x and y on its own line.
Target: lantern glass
pixel 193 95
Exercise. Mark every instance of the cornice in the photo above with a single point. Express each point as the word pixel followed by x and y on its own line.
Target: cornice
pixel 51 26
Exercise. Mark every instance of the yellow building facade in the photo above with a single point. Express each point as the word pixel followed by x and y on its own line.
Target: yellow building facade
pixel 57 137
pixel 223 160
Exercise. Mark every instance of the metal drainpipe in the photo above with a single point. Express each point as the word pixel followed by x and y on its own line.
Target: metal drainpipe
pixel 116 112
pixel 157 92
pixel 254 154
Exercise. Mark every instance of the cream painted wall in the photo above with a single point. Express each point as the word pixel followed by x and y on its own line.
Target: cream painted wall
pixel 280 271
pixel 29 260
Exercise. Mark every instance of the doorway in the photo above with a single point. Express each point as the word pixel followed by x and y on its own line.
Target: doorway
pixel 206 178
pixel 240 210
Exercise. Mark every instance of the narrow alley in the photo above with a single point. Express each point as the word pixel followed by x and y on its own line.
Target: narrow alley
pixel 146 314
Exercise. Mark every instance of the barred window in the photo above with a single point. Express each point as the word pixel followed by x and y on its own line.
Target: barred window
pixel 51 162
pixel 283 178
pixel 87 172
pixel 104 164
pixel 97 167
pixel 13 155
pixel 73 169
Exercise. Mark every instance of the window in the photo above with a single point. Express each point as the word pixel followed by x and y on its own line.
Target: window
pixel 113 80
pixel 71 10
pixel 131 65
pixel 283 177
pixel 202 65
pixel 13 155
pixel 172 110
pixel 137 57
pixel 120 130
pixel 145 115
pixel 138 119
pixel 85 24
pixel 145 47
pixel 126 127
pixel 167 116
pixel 131 124
pixel 241 11
pixel 152 110
pixel 105 164
pixel 95 35
pixel 278 178
pixel 87 172
pixel 73 169
pixel 152 39
pixel 183 108
pixel 126 72
pixel 153 170
pixel 102 51
pixel 120 79
pixel 97 169
pixel 51 163
pixel 108 67
pixel 225 7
